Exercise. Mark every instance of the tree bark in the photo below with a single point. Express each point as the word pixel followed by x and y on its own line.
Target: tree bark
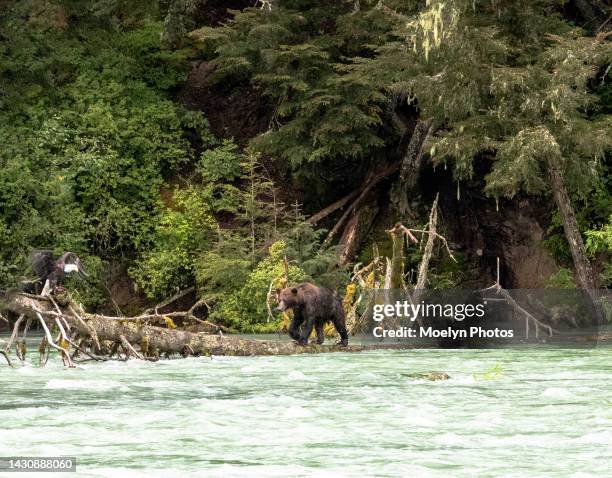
pixel 584 272
pixel 357 228
pixel 429 245
pixel 340 203
pixel 410 168
pixel 397 258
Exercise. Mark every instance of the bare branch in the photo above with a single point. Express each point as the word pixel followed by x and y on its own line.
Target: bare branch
pixel 498 289
pixel 15 334
pixel 129 348
pixel 171 300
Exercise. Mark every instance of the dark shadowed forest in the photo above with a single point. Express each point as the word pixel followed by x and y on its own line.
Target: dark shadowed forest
pixel 223 149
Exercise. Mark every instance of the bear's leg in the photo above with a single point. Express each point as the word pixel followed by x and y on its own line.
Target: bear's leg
pixel 340 326
pixel 320 333
pixel 306 331
pixel 296 322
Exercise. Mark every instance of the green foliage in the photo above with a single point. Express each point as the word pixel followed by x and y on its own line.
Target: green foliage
pixel 246 307
pixel 508 77
pixel 304 247
pixel 93 138
pixel 224 268
pixel 233 267
pixel 183 232
pixel 322 111
pixel 563 279
pixel 221 163
pixel 593 211
pixel 218 169
pixel 89 135
pixel 178 21
pixel 448 274
pixel 253 206
pixel 518 165
pixel 600 240
pixel 89 291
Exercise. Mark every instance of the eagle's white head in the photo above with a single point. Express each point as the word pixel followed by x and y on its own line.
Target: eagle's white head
pixel 68 268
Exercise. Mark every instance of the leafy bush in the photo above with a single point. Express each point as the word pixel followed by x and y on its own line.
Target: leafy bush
pixel 89 134
pixel 246 307
pixel 183 232
pixel 563 279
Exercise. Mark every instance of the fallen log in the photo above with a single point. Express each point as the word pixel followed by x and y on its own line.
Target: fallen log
pixel 132 333
pixel 340 203
pixel 370 184
pixel 354 232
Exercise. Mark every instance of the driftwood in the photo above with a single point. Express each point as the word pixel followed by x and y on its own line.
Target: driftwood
pixel 358 215
pixel 398 233
pixel 152 341
pixel 8 360
pixel 388 273
pixel 14 334
pixel 394 278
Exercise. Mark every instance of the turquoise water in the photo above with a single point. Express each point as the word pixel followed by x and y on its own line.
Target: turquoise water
pixel 512 413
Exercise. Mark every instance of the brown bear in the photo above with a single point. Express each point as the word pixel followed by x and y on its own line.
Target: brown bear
pixel 312 306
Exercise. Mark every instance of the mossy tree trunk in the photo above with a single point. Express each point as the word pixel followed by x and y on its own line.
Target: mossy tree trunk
pixel 397 258
pixel 584 272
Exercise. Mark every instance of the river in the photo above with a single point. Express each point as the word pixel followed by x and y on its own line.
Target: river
pixel 520 412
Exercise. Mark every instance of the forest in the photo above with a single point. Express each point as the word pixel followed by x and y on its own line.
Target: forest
pixel 218 150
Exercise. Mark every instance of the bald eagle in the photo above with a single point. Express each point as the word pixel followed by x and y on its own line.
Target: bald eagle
pixel 51 272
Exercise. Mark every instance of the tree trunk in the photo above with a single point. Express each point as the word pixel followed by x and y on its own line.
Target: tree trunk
pixel 584 272
pixel 356 229
pixel 161 340
pixel 410 168
pixel 421 283
pixel 397 258
pixel 340 203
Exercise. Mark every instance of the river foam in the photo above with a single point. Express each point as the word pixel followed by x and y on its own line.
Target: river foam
pixel 519 413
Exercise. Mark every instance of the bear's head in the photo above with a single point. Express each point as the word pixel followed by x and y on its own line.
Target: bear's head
pixel 287 298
